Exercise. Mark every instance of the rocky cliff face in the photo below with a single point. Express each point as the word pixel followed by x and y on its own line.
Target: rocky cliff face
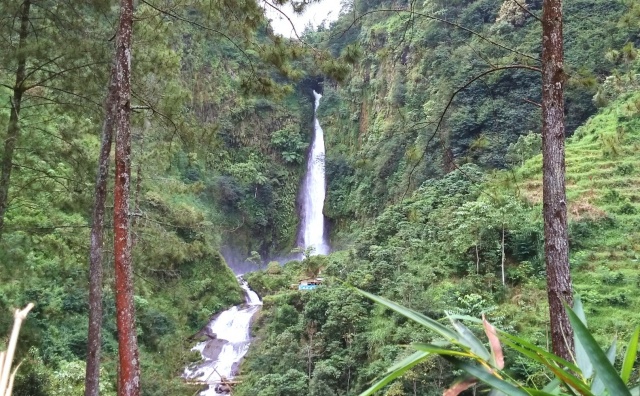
pixel 396 122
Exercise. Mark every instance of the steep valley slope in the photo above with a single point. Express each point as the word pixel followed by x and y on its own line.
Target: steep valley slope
pixel 435 201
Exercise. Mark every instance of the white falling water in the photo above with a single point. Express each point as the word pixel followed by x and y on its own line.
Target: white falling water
pixel 314 191
pixel 222 354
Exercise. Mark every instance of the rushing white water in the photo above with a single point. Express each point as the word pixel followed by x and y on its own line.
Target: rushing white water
pixel 314 191
pixel 223 353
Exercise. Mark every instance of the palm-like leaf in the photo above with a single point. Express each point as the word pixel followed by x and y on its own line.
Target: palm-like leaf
pixel 396 371
pixel 630 356
pixel 582 359
pixel 601 364
pixel 417 317
pixel 466 352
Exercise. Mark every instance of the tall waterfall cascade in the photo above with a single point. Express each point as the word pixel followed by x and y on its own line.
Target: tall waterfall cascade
pixel 312 232
pixel 229 332
pixel 229 341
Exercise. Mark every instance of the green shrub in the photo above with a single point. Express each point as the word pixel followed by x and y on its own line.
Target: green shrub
pixel 627 208
pixel 614 278
pixel 624 169
pixel 618 299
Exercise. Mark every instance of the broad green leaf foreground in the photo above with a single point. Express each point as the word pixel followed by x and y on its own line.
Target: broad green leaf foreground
pixel 571 378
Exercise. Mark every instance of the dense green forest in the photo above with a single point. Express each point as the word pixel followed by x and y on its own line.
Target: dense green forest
pixel 433 200
pixel 449 220
pixel 211 166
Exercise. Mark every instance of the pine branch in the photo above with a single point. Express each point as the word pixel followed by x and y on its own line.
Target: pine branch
pixel 201 26
pixel 36 69
pixel 61 72
pixel 446 109
pixel 525 9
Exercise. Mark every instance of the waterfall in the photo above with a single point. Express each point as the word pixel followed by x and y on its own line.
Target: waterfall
pixel 312 233
pixel 229 335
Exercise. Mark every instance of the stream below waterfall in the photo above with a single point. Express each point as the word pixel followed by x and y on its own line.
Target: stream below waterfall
pixel 229 339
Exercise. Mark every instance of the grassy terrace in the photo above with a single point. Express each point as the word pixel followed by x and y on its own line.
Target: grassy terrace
pixel 603 190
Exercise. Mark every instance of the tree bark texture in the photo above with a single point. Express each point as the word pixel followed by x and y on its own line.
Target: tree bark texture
pixel 556 244
pixel 129 378
pixel 92 374
pixel 502 258
pixel 13 130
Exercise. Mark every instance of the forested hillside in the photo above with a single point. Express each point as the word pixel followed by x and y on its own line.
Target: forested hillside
pixel 431 116
pixel 217 157
pixel 435 200
pixel 381 127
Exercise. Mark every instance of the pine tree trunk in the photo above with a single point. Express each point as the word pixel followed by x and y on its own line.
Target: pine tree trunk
pixel 556 244
pixel 136 200
pixel 13 130
pixel 129 378
pixel 92 374
pixel 502 257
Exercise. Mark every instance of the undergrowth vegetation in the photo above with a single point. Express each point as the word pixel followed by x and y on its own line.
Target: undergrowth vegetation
pixel 206 172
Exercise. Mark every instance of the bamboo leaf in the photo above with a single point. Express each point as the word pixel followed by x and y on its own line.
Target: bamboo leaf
pixel 433 349
pixel 539 351
pixel 561 373
pixel 603 368
pixel 552 387
pixel 582 359
pixel 460 386
pixel 416 317
pixel 397 370
pixel 611 353
pixel 464 317
pixel 497 356
pixel 488 378
pixel 538 392
pixel 471 340
pixel 597 387
pixel 630 356
pixel 579 310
